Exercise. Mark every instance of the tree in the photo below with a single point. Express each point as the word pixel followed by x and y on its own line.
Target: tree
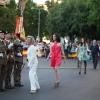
pixel 94 18
pixel 31 19
pixel 7 16
pixel 73 18
pixel 53 19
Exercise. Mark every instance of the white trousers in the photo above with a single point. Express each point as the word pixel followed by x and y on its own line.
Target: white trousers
pixel 33 77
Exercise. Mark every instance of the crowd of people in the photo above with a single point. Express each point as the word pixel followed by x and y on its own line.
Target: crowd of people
pixel 11 58
pixel 69 49
pixel 56 52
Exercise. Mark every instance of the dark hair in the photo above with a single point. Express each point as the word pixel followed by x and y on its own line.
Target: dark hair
pixel 57 37
pixel 51 39
pixel 84 41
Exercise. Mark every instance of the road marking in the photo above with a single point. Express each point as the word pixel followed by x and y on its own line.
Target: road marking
pixel 66 67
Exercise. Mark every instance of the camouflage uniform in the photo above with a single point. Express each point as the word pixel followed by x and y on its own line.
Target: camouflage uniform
pixel 2 64
pixel 18 62
pixel 10 64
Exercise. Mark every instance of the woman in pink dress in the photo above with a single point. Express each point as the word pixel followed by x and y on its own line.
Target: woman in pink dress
pixel 56 52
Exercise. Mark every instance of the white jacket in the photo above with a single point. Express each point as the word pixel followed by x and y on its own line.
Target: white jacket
pixel 31 55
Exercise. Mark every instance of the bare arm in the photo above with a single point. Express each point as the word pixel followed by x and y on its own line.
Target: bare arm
pixel 62 49
pixel 50 52
pixel 78 49
pixel 87 47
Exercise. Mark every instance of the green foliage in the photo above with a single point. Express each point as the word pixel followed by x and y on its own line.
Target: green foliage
pixel 75 18
pixel 7 16
pixel 94 17
pixel 31 19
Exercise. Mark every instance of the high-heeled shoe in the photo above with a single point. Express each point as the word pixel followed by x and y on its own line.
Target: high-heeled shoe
pixel 85 72
pixel 57 84
pixel 33 91
pixel 79 72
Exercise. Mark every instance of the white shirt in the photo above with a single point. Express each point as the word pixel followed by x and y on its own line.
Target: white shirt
pixel 37 47
pixel 1 40
pixel 66 45
pixel 31 55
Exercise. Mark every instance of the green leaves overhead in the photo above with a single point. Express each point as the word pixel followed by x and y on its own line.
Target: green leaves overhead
pixel 7 16
pixel 75 17
pixel 31 19
pixel 70 17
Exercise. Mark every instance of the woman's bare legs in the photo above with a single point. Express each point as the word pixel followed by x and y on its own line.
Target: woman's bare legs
pixel 57 76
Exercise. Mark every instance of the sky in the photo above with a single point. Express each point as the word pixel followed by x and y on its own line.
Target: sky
pixel 37 1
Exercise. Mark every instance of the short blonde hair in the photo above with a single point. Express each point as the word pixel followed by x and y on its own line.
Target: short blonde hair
pixel 32 40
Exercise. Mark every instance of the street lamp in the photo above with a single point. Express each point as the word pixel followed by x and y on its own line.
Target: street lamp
pixel 38 37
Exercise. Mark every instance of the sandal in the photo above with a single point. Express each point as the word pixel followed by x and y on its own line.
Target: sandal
pixel 56 84
pixel 33 91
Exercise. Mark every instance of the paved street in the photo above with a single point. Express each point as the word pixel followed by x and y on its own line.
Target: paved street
pixel 72 85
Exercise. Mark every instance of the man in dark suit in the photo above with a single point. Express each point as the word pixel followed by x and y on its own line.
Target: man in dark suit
pixel 94 51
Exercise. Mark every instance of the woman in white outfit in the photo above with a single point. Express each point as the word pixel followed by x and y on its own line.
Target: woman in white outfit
pixel 32 64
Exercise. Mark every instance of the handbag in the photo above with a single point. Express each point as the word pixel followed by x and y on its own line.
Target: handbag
pixel 89 57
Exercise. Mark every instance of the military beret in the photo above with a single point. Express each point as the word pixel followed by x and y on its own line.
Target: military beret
pixel 1 31
pixel 7 32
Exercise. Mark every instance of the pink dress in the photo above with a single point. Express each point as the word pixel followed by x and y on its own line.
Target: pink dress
pixel 56 55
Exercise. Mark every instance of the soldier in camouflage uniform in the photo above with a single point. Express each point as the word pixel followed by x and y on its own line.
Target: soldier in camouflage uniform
pixel 10 61
pixel 2 60
pixel 18 62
